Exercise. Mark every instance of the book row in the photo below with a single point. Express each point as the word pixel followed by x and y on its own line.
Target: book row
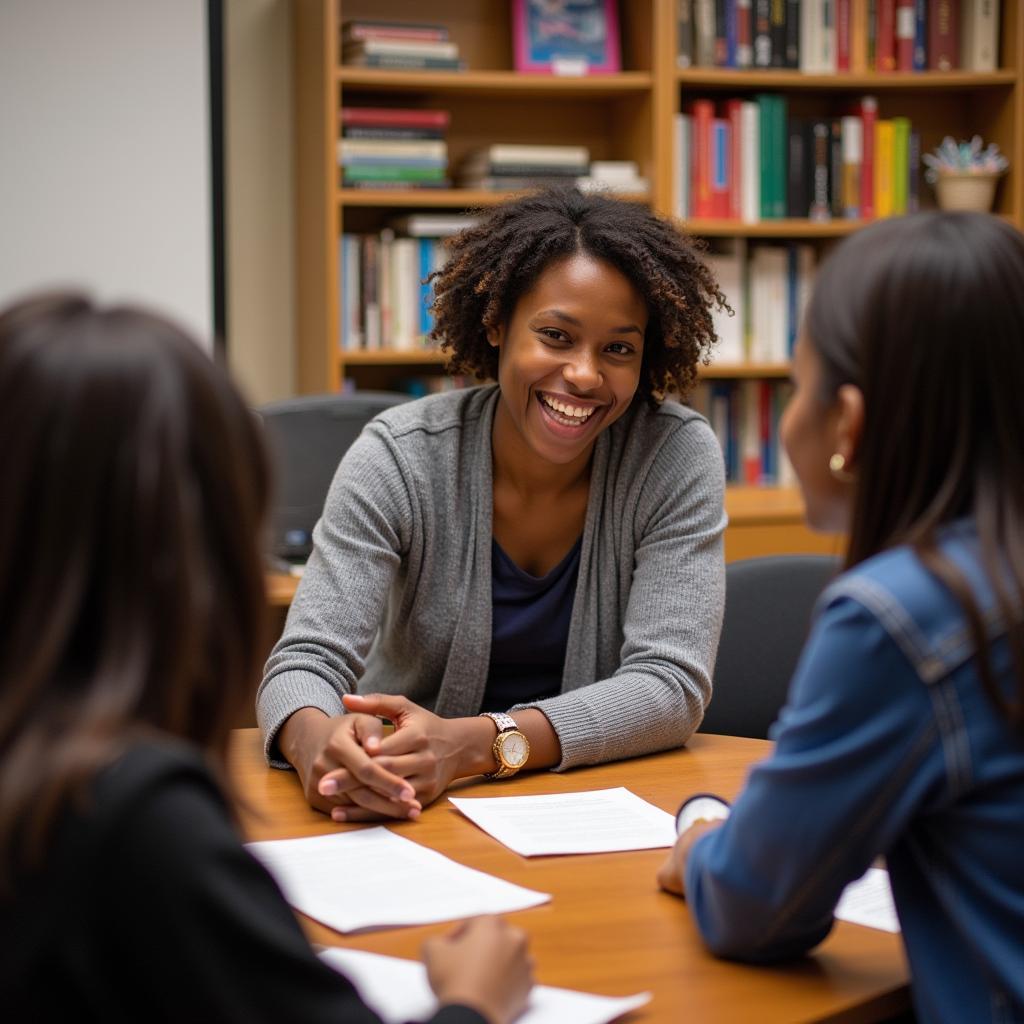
pixel 767 287
pixel 748 160
pixel 745 418
pixel 385 302
pixel 399 45
pixel 393 148
pixel 834 36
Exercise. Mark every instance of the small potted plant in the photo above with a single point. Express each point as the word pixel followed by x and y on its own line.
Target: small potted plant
pixel 964 174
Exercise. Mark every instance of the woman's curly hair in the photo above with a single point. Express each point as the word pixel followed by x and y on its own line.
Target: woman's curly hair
pixel 493 263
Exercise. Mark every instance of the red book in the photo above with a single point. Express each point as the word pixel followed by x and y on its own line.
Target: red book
pixel 868 116
pixel 943 35
pixel 393 30
pixel 734 113
pixel 843 25
pixel 391 117
pixel 721 167
pixel 703 113
pixel 905 28
pixel 885 36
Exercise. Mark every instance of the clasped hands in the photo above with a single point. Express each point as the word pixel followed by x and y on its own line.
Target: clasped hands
pixel 352 771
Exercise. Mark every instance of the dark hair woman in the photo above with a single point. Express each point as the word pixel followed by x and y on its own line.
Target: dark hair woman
pixel 133 487
pixel 903 734
pixel 546 550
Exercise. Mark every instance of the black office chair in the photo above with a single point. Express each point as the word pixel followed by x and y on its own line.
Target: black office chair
pixel 307 437
pixel 768 604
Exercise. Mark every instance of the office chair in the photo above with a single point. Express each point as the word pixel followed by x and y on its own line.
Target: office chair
pixel 768 604
pixel 307 437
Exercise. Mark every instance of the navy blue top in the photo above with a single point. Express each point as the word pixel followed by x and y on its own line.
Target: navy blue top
pixel 529 629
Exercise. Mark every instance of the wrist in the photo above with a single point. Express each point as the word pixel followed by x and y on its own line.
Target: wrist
pixel 294 738
pixel 474 742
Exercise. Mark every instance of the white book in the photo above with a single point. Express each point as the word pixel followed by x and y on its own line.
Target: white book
pixel 750 163
pixel 769 269
pixel 433 225
pixel 829 59
pixel 704 33
pixel 729 269
pixel 615 171
pixel 636 186
pixel 402 48
pixel 405 257
pixel 980 35
pixel 514 153
pixel 681 141
pixel 415 149
pixel 810 36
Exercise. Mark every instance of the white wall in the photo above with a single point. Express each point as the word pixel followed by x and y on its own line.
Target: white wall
pixel 260 206
pixel 104 152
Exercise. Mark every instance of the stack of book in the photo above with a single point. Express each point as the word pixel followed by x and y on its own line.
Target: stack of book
pixel 828 36
pixel 399 45
pixel 392 148
pixel 618 176
pixel 749 161
pixel 510 167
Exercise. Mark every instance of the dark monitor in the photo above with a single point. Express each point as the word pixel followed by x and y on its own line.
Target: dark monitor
pixel 307 437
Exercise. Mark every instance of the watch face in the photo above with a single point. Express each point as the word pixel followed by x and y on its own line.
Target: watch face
pixel 514 749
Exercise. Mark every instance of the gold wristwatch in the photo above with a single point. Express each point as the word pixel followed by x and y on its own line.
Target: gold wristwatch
pixel 511 748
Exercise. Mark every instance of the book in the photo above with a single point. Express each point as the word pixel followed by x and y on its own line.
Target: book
pixel 820 160
pixel 744 33
pixel 798 161
pixel 357 131
pixel 900 164
pixel 728 264
pixel 920 35
pixel 721 167
pixel 394 117
pixel 750 169
pixel 777 28
pixel 514 153
pixel 943 35
pixel 684 33
pixel 906 28
pixel 762 33
pixel 432 225
pixel 835 167
pixel 407 62
pixel 704 33
pixel 980 25
pixel 399 48
pixel 703 113
pixel 810 36
pixel 682 129
pixel 423 149
pixel 362 29
pixel 382 174
pixel 734 115
pixel 884 168
pixel 853 155
pixel 792 34
pixel 885 36
pixel 844 29
pixel 868 116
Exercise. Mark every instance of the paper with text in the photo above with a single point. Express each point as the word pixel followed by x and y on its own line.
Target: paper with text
pixel 868 901
pixel 399 991
pixel 597 821
pixel 374 878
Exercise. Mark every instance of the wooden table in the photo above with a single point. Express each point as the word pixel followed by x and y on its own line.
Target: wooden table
pixel 608 928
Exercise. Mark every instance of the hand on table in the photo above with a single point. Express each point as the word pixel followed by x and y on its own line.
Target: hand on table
pixel 673 870
pixel 425 750
pixel 324 749
pixel 484 964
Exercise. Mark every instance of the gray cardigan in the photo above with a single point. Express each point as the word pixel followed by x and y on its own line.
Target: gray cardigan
pixel 397 593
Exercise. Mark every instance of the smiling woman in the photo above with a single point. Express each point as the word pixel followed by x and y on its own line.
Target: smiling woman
pixel 527 574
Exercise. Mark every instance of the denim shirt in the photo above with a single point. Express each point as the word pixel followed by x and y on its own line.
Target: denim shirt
pixel 888 744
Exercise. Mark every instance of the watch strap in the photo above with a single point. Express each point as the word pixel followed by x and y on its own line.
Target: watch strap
pixel 505 723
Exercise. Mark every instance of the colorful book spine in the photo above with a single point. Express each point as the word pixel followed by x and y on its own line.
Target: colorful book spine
pixel 900 164
pixel 762 34
pixel 721 174
pixel 905 31
pixel 868 116
pixel 844 33
pixel 884 168
pixel 744 33
pixel 734 115
pixel 943 35
pixel 920 35
pixel 853 156
pixel 703 114
pixel 885 36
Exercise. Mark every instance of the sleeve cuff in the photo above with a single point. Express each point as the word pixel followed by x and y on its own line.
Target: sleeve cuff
pixel 285 694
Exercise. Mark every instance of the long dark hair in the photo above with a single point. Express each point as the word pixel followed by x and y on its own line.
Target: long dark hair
pixel 133 486
pixel 925 314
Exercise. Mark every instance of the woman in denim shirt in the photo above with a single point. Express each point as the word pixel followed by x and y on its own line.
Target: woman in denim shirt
pixel 903 734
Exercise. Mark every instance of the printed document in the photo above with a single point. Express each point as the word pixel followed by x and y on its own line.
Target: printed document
pixel 399 991
pixel 868 901
pixel 374 879
pixel 598 821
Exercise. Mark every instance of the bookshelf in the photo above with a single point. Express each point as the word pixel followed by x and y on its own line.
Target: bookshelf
pixel 628 116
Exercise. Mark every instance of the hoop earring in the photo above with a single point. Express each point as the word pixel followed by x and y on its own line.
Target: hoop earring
pixel 837 467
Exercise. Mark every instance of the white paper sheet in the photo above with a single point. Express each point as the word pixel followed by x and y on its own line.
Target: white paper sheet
pixel 598 821
pixel 398 990
pixel 868 901
pixel 374 878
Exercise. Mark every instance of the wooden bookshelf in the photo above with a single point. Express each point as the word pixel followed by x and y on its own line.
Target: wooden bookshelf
pixel 628 115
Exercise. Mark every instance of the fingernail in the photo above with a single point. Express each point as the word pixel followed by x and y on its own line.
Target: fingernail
pixel 328 787
pixel 406 793
pixel 414 813
pixel 338 814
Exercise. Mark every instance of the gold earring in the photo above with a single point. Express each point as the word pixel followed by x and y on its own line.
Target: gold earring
pixel 837 467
